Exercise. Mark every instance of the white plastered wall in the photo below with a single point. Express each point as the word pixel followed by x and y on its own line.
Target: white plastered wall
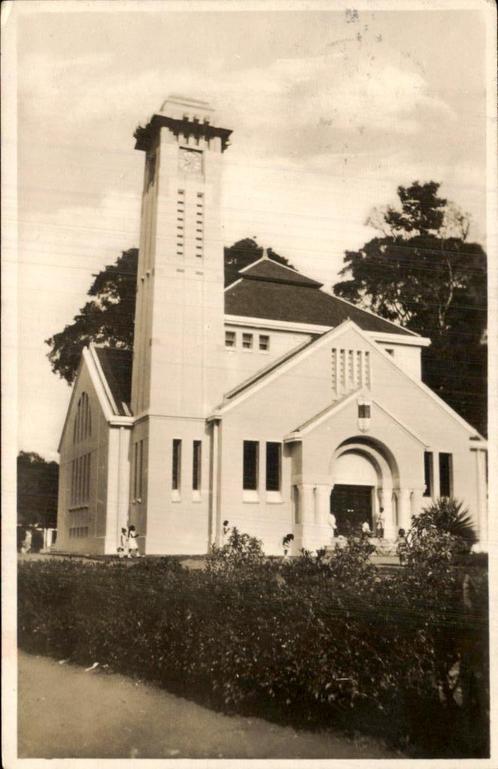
pixel 408 421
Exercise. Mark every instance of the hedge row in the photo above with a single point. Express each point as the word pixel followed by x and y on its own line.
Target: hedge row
pixel 314 641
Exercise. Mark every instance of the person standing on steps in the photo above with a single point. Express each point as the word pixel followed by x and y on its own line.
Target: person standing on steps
pixel 379 527
pixel 132 542
pixel 123 543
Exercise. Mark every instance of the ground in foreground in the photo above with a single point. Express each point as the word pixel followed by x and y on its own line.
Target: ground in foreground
pixel 65 712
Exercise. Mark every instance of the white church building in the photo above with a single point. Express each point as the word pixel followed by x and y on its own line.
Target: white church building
pixel 269 404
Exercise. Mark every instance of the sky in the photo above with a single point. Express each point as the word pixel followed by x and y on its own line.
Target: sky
pixel 331 110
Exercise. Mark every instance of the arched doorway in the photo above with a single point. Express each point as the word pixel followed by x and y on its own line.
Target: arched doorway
pixel 368 470
pixel 356 478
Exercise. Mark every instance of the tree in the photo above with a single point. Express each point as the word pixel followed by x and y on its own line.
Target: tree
pixel 423 273
pixel 244 252
pixel 108 318
pixel 37 488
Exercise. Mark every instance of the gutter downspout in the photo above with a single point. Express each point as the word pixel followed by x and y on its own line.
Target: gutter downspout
pixel 215 523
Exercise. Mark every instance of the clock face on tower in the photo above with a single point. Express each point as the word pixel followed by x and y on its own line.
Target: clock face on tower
pixel 190 161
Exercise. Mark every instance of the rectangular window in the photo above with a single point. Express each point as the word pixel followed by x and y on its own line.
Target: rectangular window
pixel 264 342
pixel 428 473
pixel 273 466
pixel 230 338
pixel 445 475
pixel 364 411
pixel 247 341
pixel 250 459
pixel 196 466
pixel 176 464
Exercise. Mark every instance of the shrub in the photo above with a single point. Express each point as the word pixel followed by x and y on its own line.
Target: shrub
pixel 239 552
pixel 318 640
pixel 447 515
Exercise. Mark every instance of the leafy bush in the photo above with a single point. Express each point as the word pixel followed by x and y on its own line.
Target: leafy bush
pixel 239 552
pixel 326 640
pixel 446 515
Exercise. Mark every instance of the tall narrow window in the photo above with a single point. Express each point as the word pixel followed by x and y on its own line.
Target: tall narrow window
pixel 273 466
pixel 445 475
pixel 367 380
pixel 250 461
pixel 428 473
pixel 334 368
pixel 196 466
pixel 342 368
pixel 359 367
pixel 364 411
pixel 140 468
pixel 177 461
pixel 351 367
pixel 135 470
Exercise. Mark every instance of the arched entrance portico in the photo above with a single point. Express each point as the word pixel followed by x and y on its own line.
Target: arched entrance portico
pixel 352 502
pixel 364 473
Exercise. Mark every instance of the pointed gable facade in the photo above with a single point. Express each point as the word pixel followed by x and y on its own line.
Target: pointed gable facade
pixel 271 404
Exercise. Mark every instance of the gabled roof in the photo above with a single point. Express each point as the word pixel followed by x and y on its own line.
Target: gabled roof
pixel 265 376
pixel 116 366
pixel 269 270
pixel 266 289
pixel 336 406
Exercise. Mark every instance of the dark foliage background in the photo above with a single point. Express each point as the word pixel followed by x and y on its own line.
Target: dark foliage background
pixel 318 642
pixel 421 271
pixel 108 318
pixel 37 488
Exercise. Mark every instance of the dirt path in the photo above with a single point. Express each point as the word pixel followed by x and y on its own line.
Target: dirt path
pixel 65 712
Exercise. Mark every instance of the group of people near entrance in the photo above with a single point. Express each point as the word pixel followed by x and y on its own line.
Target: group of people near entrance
pixel 366 531
pixel 128 545
pixel 402 542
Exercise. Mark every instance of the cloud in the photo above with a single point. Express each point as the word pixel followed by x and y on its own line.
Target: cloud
pixel 276 104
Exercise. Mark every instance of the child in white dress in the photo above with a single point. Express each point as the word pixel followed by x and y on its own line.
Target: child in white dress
pixel 123 543
pixel 132 543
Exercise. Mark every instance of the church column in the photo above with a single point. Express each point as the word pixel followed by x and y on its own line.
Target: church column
pixel 323 504
pixel 306 503
pixel 404 512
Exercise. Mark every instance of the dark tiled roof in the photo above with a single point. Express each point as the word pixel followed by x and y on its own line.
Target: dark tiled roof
pixel 116 365
pixel 268 270
pixel 263 292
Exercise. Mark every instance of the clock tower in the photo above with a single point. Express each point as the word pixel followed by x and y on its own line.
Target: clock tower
pixel 178 351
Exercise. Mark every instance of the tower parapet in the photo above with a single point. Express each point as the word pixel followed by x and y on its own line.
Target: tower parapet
pixel 189 120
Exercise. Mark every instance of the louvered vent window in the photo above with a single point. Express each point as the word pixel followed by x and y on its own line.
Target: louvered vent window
pixel 349 369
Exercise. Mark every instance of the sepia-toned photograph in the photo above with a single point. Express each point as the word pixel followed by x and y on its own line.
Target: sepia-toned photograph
pixel 247 255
